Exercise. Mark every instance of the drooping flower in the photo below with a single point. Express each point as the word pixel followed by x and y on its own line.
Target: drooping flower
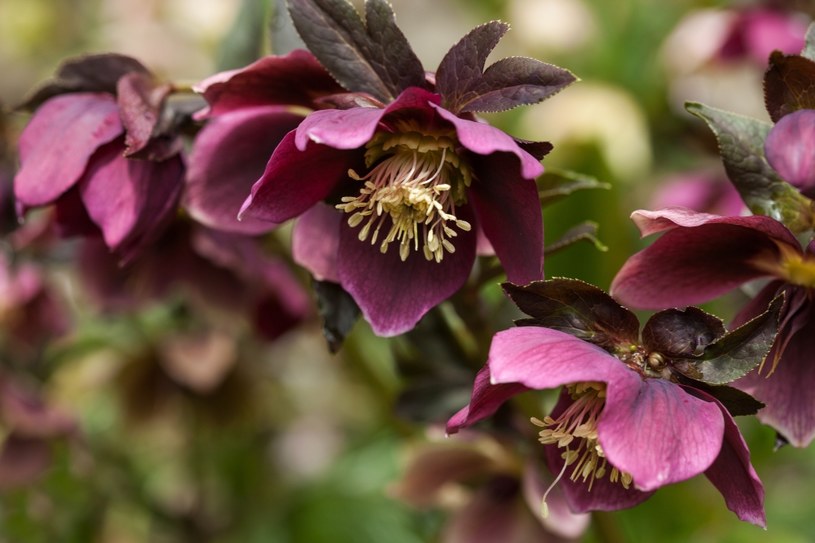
pixel 398 175
pixel 635 414
pixel 700 257
pixel 100 147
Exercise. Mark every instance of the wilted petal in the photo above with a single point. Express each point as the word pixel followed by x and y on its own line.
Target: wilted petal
pixel 702 256
pixel 59 141
pixel 228 157
pixel 316 241
pixel 295 180
pixel 130 199
pixel 393 295
pixel 733 474
pixel 509 213
pixel 789 148
pixel 483 139
pixel 140 102
pixel 659 433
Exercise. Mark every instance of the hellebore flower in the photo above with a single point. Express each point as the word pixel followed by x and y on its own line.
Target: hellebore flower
pixel 702 256
pixel 789 149
pixel 97 147
pixel 408 173
pixel 635 414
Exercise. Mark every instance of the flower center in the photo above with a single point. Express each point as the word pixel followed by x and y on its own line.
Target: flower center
pixel 416 180
pixel 577 427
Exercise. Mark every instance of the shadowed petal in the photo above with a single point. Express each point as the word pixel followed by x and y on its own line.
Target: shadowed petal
pixel 651 222
pixel 561 520
pixel 789 146
pixel 658 433
pixel 484 139
pixel 58 142
pixel 485 401
pixel 733 474
pixel 130 199
pixel 509 213
pixel 316 241
pixel 295 180
pixel 393 295
pixel 229 156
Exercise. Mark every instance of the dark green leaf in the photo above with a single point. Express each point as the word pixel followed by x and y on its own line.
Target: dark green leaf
pixel 91 73
pixel 577 308
pixel 681 332
pixel 789 85
pixel 338 310
pixel 371 56
pixel 555 184
pixel 736 353
pixel 585 231
pixel 741 144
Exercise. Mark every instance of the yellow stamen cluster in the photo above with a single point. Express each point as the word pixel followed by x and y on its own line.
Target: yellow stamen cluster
pixel 415 180
pixel 578 425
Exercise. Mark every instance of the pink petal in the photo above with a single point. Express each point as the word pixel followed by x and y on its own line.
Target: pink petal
pixel 509 213
pixel 485 400
pixel 228 157
pixel 393 295
pixel 295 180
pixel 659 433
pixel 790 148
pixel 316 241
pixel 561 520
pixel 58 142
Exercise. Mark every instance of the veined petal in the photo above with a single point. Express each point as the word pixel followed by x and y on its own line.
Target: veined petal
pixel 484 139
pixel 59 141
pixel 658 433
pixel 509 213
pixel 228 157
pixel 394 294
pixel 295 180
pixel 693 264
pixel 651 222
pixel 316 241
pixel 789 148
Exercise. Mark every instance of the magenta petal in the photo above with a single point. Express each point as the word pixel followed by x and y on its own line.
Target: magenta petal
pixel 483 139
pixel 130 199
pixel 561 520
pixel 790 146
pixel 690 265
pixel 659 433
pixel 229 156
pixel 485 401
pixel 58 142
pixel 316 241
pixel 652 222
pixel 295 180
pixel 393 295
pixel 293 79
pixel 509 213
pixel 733 474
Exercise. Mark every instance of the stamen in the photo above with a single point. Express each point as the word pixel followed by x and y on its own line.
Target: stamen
pixel 417 185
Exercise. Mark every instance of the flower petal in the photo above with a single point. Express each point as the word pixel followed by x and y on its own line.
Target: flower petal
pixel 295 180
pixel 228 157
pixel 788 148
pixel 393 295
pixel 659 433
pixel 483 139
pixel 486 399
pixel 561 520
pixel 700 257
pixel 509 212
pixel 316 241
pixel 58 142
pixel 733 474
pixel 130 200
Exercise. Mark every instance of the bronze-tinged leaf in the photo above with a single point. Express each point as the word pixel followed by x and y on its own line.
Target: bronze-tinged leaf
pixel 576 308
pixel 681 332
pixel 789 84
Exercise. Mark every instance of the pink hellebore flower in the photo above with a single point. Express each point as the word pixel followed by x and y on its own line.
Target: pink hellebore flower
pixel 92 148
pixel 702 256
pixel 629 419
pixel 790 149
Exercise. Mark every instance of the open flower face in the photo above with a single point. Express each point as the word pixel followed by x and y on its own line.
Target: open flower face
pixel 701 256
pixel 398 175
pixel 635 414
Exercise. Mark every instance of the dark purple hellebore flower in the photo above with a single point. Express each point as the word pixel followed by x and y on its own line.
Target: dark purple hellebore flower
pixel 408 173
pixel 701 256
pixel 634 414
pixel 95 148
